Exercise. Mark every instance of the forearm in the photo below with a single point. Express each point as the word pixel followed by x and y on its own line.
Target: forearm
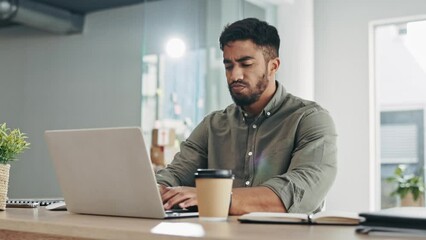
pixel 255 199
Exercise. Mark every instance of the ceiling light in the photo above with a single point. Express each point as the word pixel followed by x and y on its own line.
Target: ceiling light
pixel 175 48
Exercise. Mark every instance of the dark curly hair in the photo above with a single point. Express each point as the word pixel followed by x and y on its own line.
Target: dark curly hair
pixel 260 32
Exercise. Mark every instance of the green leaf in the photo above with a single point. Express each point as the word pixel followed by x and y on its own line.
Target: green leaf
pixel 12 143
pixel 406 183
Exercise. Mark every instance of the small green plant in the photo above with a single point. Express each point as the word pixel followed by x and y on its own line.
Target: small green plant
pixel 406 183
pixel 12 143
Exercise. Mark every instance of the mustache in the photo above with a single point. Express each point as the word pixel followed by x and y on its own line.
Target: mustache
pixel 239 82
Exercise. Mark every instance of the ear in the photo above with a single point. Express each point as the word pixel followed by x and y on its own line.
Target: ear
pixel 273 65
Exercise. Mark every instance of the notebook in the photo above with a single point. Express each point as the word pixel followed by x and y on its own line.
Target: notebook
pixel 327 217
pixel 107 172
pixel 398 221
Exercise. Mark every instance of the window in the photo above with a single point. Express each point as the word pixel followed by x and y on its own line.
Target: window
pixel 400 79
pixel 402 143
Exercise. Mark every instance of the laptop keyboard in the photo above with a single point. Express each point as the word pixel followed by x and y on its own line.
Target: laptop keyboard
pixel 182 212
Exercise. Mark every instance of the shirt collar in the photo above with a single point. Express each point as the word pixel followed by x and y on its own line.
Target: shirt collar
pixel 273 104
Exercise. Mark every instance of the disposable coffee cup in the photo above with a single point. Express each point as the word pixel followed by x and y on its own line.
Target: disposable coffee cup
pixel 214 188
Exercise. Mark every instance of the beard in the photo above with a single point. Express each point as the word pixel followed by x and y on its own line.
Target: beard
pixel 253 95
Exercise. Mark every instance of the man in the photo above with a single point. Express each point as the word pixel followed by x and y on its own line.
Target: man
pixel 282 149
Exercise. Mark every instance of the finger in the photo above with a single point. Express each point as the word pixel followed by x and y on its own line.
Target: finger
pixel 170 192
pixel 188 203
pixel 182 195
pixel 176 199
pixel 162 189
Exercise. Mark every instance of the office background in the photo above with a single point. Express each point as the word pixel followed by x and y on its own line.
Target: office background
pixel 93 79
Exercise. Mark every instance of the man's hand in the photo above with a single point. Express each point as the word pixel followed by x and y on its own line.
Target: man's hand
pixel 183 196
pixel 244 200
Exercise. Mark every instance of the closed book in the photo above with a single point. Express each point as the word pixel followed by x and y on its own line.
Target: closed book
pixel 395 222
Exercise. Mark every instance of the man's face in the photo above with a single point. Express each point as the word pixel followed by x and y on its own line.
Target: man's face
pixel 246 71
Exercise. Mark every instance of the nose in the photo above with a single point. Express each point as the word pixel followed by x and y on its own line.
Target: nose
pixel 236 73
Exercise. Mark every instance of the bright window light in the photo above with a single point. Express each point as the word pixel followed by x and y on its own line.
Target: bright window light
pixel 175 48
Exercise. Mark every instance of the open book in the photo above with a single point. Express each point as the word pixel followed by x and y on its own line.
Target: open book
pixel 327 217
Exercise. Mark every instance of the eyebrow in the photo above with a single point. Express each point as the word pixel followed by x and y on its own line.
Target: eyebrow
pixel 245 58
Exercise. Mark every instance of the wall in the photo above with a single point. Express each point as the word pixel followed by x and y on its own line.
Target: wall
pixel 295 26
pixel 342 86
pixel 79 81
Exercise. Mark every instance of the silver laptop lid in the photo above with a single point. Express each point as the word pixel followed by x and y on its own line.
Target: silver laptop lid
pixel 105 171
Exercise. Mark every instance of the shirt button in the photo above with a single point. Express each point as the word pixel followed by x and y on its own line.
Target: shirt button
pixel 268 113
pixel 247 183
pixel 254 126
pixel 245 114
pixel 250 153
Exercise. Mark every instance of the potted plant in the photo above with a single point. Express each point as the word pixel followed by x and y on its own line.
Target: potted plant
pixel 410 187
pixel 12 143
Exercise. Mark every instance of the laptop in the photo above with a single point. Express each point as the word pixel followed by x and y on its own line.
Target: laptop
pixel 107 171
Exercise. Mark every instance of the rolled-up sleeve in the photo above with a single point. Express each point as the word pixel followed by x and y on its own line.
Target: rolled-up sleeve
pixel 313 166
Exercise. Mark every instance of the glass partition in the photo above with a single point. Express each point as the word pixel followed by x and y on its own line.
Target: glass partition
pixel 183 76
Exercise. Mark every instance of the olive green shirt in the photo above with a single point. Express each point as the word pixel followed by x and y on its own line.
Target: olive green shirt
pixel 290 148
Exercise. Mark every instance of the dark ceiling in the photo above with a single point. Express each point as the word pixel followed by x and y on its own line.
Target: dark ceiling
pixel 83 6
pixel 87 6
